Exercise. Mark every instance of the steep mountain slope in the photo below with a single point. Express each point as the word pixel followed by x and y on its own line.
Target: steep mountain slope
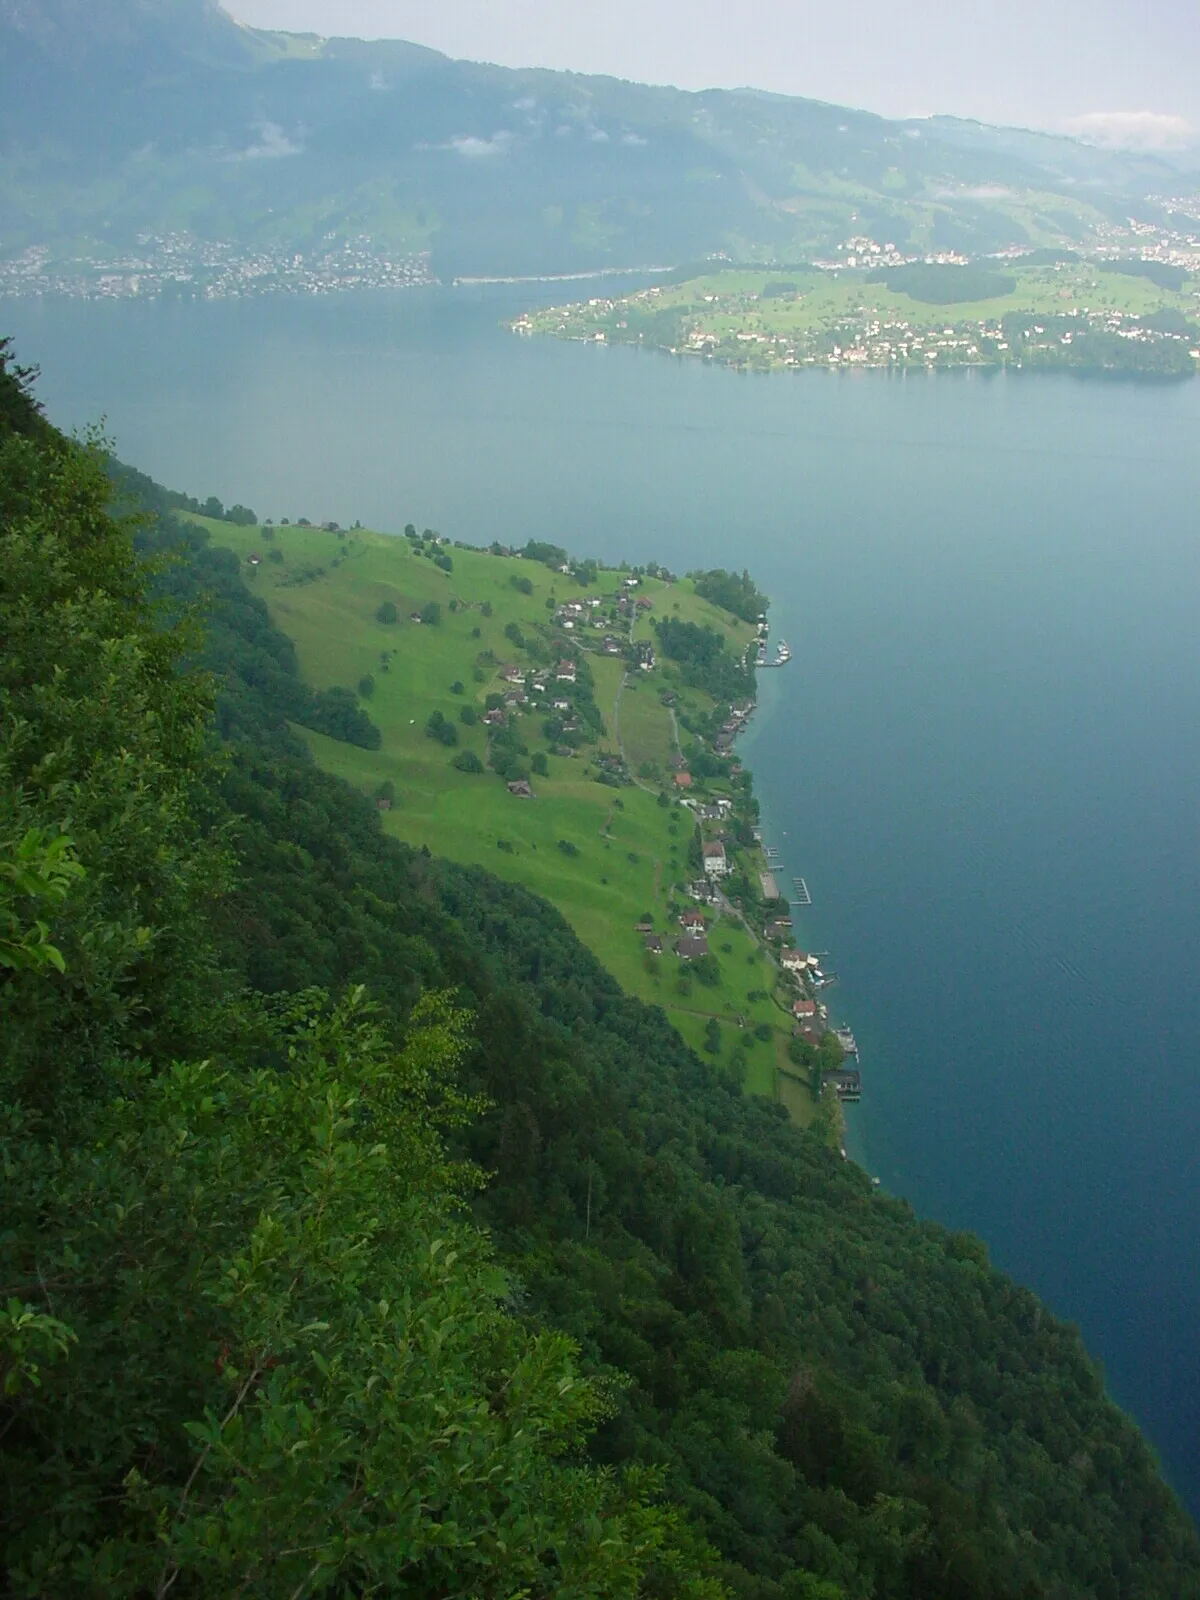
pixel 152 115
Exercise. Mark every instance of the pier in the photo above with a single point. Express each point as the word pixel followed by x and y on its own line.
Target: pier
pixel 803 898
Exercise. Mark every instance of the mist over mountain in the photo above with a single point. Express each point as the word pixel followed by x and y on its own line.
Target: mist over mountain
pixel 151 116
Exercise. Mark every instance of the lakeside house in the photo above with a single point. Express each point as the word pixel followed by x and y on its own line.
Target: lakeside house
pixel 804 1009
pixel 778 929
pixel 691 946
pixel 794 961
pixel 846 1083
pixel 716 863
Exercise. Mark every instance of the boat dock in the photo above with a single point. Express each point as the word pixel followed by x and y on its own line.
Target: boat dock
pixel 803 898
pixel 848 1042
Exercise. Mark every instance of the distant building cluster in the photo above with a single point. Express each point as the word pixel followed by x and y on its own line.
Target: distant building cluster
pixel 181 265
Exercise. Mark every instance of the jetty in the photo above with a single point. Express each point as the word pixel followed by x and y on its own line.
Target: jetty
pixel 803 897
pixel 848 1042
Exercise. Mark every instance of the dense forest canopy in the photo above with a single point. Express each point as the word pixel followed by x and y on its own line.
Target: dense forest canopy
pixel 361 1235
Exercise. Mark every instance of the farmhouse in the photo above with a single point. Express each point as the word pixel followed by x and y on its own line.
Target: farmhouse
pixel 693 919
pixel 520 787
pixel 654 944
pixel 565 672
pixel 715 861
pixel 691 946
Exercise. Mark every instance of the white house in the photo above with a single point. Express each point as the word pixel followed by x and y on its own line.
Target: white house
pixel 715 862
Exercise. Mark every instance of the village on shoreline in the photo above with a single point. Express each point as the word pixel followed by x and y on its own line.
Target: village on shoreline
pixel 636 684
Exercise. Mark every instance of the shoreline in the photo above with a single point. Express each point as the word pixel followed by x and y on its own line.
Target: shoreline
pixel 849 1135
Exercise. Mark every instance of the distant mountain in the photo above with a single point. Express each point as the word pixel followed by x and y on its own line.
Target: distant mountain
pixel 166 115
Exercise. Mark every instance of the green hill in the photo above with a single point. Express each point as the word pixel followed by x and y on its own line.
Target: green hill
pixel 476 1280
pixel 604 837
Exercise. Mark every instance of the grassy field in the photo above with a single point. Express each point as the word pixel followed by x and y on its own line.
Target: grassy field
pixel 607 857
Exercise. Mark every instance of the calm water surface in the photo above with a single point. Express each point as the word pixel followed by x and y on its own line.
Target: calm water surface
pixel 983 758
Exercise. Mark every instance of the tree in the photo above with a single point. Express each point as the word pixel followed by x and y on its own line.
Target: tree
pixel 386 612
pixel 468 716
pixel 467 761
pixel 712 1036
pixel 439 728
pixel 366 685
pixel 539 763
pixel 431 613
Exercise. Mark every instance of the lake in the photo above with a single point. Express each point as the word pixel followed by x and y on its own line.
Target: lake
pixel 983 756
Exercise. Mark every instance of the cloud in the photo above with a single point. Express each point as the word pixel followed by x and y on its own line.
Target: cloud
pixel 272 144
pixel 379 83
pixel 1133 130
pixel 597 136
pixel 633 139
pixel 476 149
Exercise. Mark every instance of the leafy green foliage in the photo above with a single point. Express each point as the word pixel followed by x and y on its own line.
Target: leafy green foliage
pixel 940 284
pixel 336 712
pixel 707 663
pixel 253 1339
pixel 440 727
pixel 732 593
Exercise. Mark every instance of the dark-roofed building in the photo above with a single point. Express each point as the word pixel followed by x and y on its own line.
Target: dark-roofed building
pixel 691 946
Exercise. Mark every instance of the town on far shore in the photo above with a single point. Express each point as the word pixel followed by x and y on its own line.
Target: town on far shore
pixel 869 305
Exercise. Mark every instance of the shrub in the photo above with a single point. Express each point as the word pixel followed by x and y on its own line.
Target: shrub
pixel 707 970
pixel 468 716
pixel 567 848
pixel 438 728
pixel 467 761
pixel 366 685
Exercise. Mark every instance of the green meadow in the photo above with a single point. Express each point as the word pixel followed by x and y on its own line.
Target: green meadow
pixel 606 856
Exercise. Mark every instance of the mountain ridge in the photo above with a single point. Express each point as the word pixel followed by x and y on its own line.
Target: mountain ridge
pixel 167 116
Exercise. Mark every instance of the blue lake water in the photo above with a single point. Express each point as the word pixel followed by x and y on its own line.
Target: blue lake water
pixel 983 757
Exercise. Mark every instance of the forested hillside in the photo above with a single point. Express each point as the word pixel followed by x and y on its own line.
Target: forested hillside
pixel 362 1236
pixel 127 127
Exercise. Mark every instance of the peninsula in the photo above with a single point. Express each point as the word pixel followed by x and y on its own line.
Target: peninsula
pixel 571 726
pixel 870 307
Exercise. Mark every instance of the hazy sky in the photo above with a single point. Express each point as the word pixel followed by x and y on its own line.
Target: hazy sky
pixel 1035 63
